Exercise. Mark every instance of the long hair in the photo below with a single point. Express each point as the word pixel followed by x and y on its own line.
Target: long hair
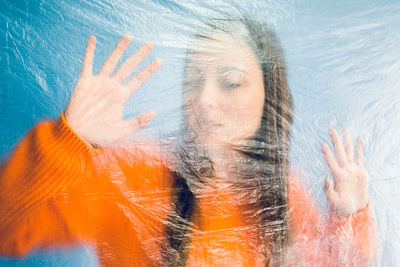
pixel 263 167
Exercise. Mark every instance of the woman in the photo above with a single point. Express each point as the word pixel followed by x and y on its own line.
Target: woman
pixel 230 199
pixel 238 110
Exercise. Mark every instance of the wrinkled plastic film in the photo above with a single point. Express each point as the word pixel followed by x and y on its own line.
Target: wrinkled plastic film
pixel 195 140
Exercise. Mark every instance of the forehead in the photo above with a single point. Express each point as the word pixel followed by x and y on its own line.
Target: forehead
pixel 222 49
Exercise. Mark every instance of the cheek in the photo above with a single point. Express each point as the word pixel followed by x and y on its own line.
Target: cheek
pixel 244 114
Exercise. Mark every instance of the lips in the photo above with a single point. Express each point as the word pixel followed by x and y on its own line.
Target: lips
pixel 205 123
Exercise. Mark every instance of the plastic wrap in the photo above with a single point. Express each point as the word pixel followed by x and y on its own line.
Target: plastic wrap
pixel 199 134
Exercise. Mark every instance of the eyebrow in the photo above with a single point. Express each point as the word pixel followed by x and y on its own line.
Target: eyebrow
pixel 227 69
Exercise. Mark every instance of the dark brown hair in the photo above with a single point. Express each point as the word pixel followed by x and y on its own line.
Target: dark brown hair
pixel 264 166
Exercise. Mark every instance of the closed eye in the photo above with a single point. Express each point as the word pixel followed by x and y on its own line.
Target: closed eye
pixel 229 85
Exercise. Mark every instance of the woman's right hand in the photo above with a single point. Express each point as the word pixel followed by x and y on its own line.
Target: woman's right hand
pixel 95 109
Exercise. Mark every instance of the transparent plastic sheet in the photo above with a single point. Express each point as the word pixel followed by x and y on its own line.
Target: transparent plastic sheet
pixel 230 172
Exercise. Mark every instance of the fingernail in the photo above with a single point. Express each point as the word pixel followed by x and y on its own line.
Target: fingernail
pixel 323 147
pixel 128 36
pixel 149 44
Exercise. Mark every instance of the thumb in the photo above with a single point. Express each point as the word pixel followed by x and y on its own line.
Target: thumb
pixel 142 120
pixel 129 127
pixel 330 192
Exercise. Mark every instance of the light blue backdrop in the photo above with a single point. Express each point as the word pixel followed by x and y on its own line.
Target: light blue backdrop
pixel 343 60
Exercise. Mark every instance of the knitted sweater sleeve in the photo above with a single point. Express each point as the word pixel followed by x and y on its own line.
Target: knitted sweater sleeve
pixel 330 240
pixel 49 159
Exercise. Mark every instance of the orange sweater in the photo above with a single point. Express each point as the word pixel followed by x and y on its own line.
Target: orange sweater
pixel 55 190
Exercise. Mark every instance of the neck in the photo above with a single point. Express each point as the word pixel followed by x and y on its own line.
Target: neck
pixel 224 159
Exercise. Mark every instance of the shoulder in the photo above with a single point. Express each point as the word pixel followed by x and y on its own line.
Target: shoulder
pixel 302 209
pixel 298 195
pixel 296 189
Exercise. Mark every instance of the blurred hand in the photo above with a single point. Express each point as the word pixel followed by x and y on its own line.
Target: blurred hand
pixel 95 109
pixel 348 192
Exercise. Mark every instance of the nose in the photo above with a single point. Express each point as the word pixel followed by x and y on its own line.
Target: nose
pixel 208 97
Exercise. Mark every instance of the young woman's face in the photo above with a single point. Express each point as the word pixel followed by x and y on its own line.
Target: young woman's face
pixel 224 90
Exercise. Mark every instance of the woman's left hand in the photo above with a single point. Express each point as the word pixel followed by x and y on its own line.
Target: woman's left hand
pixel 348 192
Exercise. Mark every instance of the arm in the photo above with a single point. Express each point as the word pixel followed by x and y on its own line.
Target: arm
pixel 346 236
pixel 57 157
pixel 49 159
pixel 352 238
pixel 349 218
pixel 333 240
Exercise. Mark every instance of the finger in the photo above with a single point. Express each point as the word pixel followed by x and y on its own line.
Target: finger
pixel 348 144
pixel 87 62
pixel 143 75
pixel 142 120
pixel 360 152
pixel 129 65
pixel 340 154
pixel 129 127
pixel 115 55
pixel 330 159
pixel 330 192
